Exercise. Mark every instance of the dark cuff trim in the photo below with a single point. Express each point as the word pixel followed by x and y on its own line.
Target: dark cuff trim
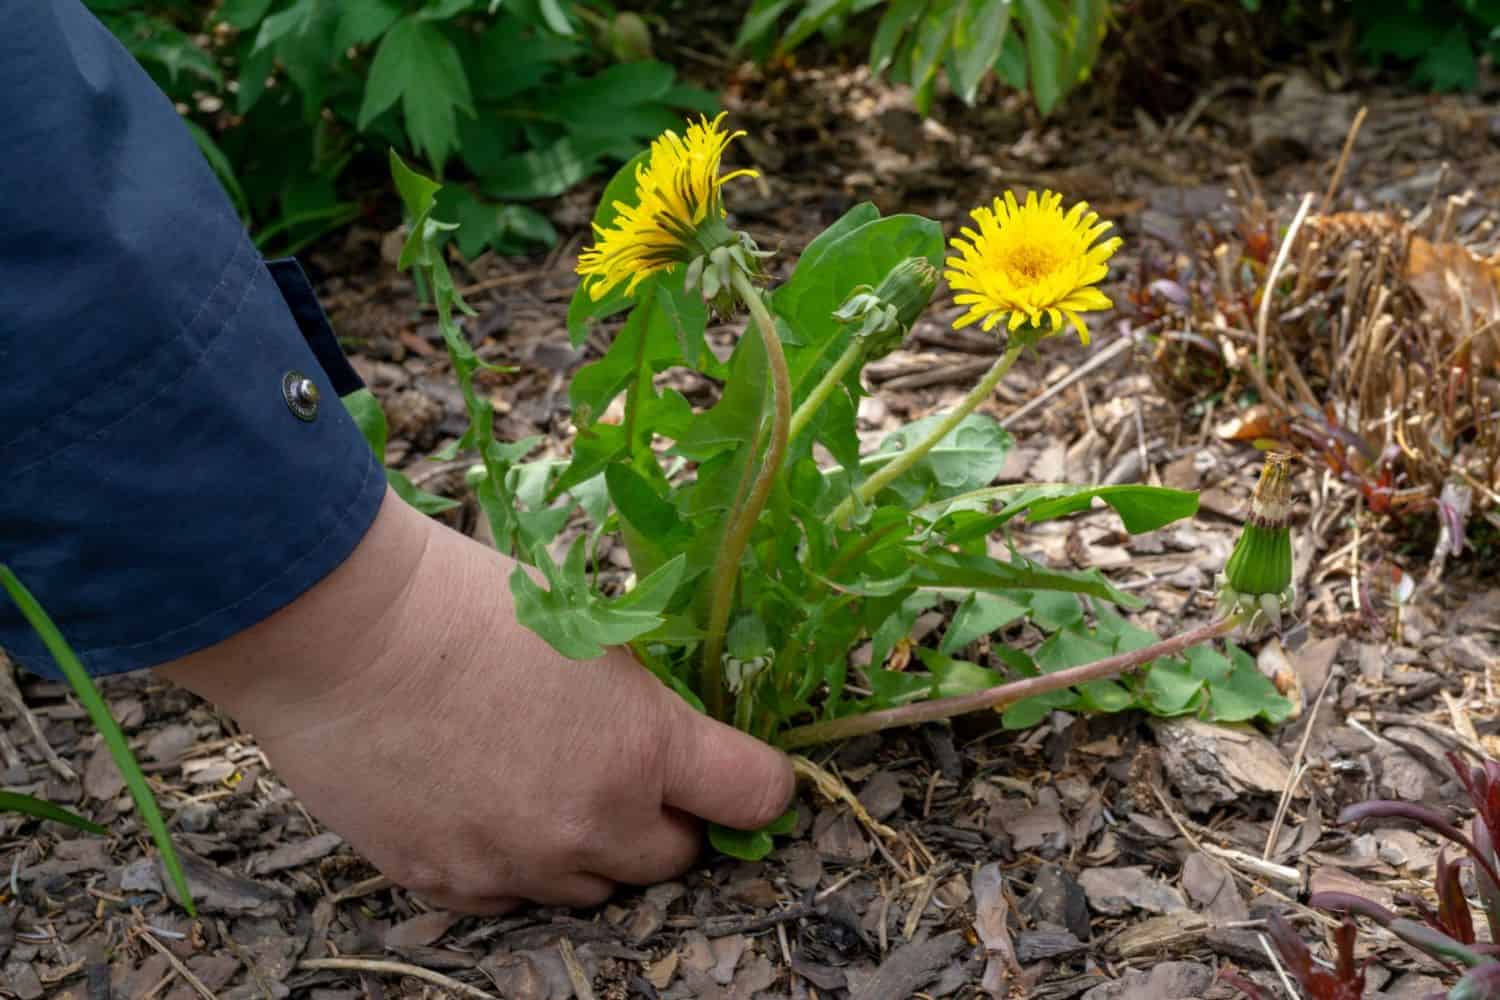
pixel 292 282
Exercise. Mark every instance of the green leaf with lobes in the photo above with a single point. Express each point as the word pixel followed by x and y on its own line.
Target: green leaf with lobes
pixel 577 621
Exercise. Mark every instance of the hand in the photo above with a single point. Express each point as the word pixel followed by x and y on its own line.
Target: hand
pixel 402 702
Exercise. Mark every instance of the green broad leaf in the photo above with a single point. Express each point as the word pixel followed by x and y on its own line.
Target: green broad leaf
pixel 967 458
pixel 979 615
pixel 1070 647
pixel 1208 664
pixel 892 688
pixel 587 103
pixel 953 677
pixel 1052 610
pixel 423 501
pixel 899 18
pixel 594 448
pixel 1451 64
pixel 652 528
pixel 281 24
pixel 931 43
pixel 418 193
pixel 812 16
pixel 1031 711
pixel 1105 697
pixel 751 845
pixel 733 421
pixel 369 417
pixel 1046 51
pixel 482 225
pixel 651 341
pixel 29 805
pixel 1246 694
pixel 1141 508
pixel 966 570
pixel 759 24
pixel 1011 66
pixel 1171 689
pixel 978 39
pixel 362 23
pixel 577 622
pixel 109 730
pixel 890 620
pixel 545 171
pixel 417 65
pixel 834 265
pixel 1086 37
pixel 242 14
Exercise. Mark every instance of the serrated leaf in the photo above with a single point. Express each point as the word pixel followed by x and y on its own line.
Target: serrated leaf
pixel 416 64
pixel 576 621
pixel 966 458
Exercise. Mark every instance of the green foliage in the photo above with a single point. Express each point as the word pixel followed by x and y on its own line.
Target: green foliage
pixel 670 483
pixel 109 730
pixel 1440 41
pixel 30 805
pixel 286 97
pixel 1044 46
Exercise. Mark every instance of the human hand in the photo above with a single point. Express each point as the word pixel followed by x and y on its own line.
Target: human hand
pixel 402 702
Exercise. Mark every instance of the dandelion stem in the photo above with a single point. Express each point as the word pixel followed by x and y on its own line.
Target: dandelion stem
pixel 742 520
pixel 871 487
pixel 1004 694
pixel 853 355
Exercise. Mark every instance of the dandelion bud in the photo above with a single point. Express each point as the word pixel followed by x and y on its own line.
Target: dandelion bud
pixel 1257 579
pixel 886 313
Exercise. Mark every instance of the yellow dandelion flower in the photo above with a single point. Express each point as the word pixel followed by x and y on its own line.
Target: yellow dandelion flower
pixel 678 212
pixel 1031 261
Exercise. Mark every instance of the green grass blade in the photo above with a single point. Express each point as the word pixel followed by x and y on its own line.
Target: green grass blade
pixel 42 809
pixel 93 703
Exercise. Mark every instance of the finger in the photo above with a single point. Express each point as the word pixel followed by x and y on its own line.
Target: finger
pixel 723 775
pixel 579 889
pixel 663 850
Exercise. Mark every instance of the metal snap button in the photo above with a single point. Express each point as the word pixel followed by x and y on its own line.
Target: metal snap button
pixel 301 395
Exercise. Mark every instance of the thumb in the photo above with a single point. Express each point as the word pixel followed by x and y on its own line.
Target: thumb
pixel 723 775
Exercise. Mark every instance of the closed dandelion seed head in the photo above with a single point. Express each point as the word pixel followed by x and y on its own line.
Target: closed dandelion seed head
pixel 1031 265
pixel 677 214
pixel 1257 578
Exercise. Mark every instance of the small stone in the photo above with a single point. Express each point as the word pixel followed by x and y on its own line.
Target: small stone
pixel 1056 898
pixel 196 817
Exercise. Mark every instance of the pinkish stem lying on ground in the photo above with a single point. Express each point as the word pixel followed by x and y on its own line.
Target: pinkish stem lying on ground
pixel 1002 695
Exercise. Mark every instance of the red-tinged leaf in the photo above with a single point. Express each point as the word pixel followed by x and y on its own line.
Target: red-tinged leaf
pixel 1294 953
pixel 1242 984
pixel 1435 943
pixel 1453 906
pixel 1480 983
pixel 1348 902
pixel 1343 939
pixel 1422 815
pixel 1489 890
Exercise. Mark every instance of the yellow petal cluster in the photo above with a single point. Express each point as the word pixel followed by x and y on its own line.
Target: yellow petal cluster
pixel 1026 263
pixel 677 214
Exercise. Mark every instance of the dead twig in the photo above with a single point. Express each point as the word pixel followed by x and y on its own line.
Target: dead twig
pixel 395 969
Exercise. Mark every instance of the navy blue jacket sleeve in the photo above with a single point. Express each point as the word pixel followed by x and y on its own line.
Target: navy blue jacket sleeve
pixel 157 491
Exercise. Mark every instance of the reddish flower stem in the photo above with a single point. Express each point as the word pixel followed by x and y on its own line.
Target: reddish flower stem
pixel 1004 694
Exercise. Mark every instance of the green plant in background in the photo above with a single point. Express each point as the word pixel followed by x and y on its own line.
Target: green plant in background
pixel 521 101
pixel 758 568
pixel 109 730
pixel 1439 40
pixel 1046 47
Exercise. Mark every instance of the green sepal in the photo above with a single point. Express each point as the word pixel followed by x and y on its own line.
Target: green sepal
pixel 1261 562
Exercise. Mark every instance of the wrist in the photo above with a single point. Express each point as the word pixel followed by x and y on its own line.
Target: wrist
pixel 328 637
